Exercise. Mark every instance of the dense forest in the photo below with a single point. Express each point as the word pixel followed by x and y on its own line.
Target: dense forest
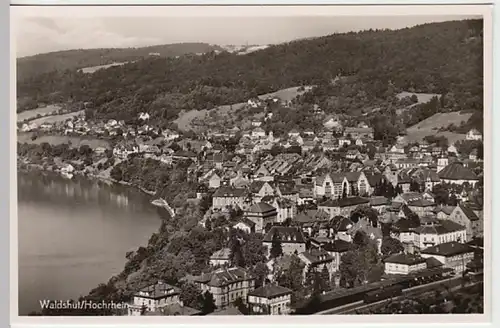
pixel 75 59
pixel 441 58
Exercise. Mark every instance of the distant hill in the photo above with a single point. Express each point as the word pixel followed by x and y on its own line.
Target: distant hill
pixel 75 59
pixel 439 58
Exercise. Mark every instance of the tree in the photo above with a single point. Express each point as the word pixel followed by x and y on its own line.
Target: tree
pixel 276 248
pixel 190 295
pixel 391 246
pixel 208 303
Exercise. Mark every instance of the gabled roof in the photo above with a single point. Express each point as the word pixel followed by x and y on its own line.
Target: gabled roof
pixel 378 201
pixel 224 276
pixel 317 256
pixel 469 213
pixel 158 290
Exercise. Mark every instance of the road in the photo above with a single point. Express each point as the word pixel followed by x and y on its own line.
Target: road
pixel 451 283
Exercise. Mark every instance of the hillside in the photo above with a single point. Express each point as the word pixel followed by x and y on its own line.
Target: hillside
pixel 441 58
pixel 30 66
pixel 431 126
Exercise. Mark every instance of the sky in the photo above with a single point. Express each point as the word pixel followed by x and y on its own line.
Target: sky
pixel 34 35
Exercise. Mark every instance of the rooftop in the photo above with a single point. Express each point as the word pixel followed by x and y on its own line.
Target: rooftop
pixel 448 249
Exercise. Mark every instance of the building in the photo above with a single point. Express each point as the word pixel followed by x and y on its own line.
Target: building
pixel 473 134
pixel 292 239
pixel 457 173
pixel 343 206
pixel 285 208
pixel 246 225
pixel 404 263
pixel 452 255
pixel 262 214
pixel 470 218
pixel 355 132
pixel 226 285
pixel 214 181
pixel 270 299
pixel 227 196
pixel 154 298
pixel 220 257
pixel 336 249
pixel 317 259
pixel 434 232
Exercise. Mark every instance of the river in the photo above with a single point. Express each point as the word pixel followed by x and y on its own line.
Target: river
pixel 74 234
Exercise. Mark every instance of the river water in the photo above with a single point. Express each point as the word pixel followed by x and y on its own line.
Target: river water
pixel 74 234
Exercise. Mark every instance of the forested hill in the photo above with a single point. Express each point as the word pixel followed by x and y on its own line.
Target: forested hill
pixel 74 59
pixel 443 58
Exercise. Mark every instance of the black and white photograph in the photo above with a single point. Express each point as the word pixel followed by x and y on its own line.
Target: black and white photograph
pixel 257 165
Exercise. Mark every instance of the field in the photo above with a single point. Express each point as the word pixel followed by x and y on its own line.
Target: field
pixel 430 126
pixel 185 119
pixel 31 114
pixel 56 118
pixel 92 69
pixel 76 142
pixel 422 97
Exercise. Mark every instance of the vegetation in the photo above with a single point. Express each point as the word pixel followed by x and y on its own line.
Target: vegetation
pixel 442 58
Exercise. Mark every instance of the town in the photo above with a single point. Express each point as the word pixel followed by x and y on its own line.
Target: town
pixel 326 220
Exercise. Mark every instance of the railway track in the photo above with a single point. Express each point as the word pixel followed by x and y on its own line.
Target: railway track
pixel 451 283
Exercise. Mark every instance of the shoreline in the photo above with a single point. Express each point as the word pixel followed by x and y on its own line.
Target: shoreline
pixel 30 167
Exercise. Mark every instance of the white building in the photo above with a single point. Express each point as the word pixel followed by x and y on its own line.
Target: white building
pixel 404 264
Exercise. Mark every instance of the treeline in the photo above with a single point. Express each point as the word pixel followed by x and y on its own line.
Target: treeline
pixel 440 58
pixel 31 66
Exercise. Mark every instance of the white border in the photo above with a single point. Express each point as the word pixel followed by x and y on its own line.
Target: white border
pixel 238 11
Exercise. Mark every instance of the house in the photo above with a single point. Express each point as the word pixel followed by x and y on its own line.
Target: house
pixel 317 259
pixel 214 181
pixel 258 133
pixel 294 133
pixel 154 298
pixel 421 207
pixel 444 212
pixel 261 214
pixel 270 299
pixel 343 206
pixel 343 141
pixel 292 239
pixel 469 217
pixel 426 177
pixel 182 155
pixel 226 285
pixel 397 148
pixel 246 225
pixel 336 249
pixel 473 134
pixel 359 132
pixel 456 173
pixel 260 189
pixel 220 257
pixel 227 196
pixel 379 203
pixel 285 208
pixel 434 232
pixel 170 135
pixel 144 116
pixel 404 263
pixel 453 255
pixel 352 154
